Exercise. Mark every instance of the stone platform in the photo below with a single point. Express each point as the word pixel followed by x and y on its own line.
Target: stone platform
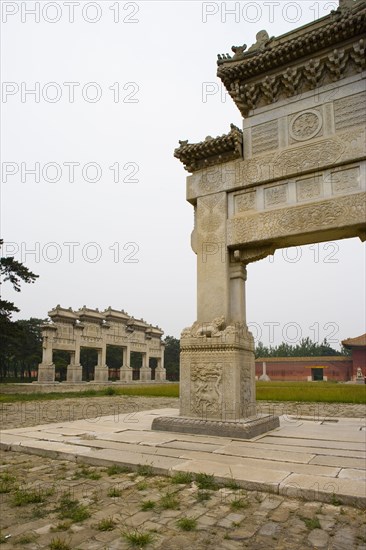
pixel 243 429
pixel 318 460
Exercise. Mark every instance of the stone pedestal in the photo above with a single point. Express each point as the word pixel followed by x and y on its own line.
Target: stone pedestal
pixel 217 373
pixel 46 373
pixel 100 374
pixel 217 384
pixel 74 373
pixel 125 374
pixel 160 374
pixel 145 374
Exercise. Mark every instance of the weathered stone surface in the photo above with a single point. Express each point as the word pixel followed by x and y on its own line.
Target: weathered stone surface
pixel 319 538
pixel 242 430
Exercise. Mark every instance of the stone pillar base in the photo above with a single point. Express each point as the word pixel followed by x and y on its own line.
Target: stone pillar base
pixel 244 429
pixel 74 373
pixel 217 373
pixel 145 374
pixel 160 375
pixel 125 374
pixel 46 373
pixel 100 374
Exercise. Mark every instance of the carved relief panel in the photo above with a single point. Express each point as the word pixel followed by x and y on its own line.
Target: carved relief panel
pixel 206 388
pixel 305 125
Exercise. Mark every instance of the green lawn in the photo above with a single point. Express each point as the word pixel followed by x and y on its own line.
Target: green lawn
pixel 321 392
pixel 318 392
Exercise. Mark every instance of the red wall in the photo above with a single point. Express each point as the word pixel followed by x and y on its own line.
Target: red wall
pixel 295 370
pixel 359 361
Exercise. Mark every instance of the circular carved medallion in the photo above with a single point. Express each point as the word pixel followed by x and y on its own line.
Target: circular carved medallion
pixel 305 125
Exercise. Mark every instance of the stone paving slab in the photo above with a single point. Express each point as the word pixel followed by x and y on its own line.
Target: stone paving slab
pixel 317 488
pixel 325 444
pixel 279 461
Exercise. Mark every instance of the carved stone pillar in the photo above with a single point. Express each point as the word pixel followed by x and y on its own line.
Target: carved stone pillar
pixel 145 371
pixel 101 369
pixel 75 370
pixel 238 276
pixel 46 369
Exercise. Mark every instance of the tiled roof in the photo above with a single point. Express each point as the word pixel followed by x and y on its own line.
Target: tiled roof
pixel 358 342
pixel 211 151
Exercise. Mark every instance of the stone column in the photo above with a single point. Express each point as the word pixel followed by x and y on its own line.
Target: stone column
pixel 101 369
pixel 46 369
pixel 75 370
pixel 145 371
pixel 160 372
pixel 125 370
pixel 238 276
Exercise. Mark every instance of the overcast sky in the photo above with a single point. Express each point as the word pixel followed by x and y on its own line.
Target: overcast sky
pixel 115 86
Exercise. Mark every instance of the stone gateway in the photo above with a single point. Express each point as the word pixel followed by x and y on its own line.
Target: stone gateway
pixel 89 328
pixel 295 174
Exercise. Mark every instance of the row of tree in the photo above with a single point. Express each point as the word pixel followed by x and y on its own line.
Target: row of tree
pixel 305 348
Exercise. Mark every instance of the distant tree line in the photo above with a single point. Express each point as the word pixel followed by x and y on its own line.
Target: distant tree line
pixel 305 348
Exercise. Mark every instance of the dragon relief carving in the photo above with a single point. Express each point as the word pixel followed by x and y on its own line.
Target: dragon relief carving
pixel 206 379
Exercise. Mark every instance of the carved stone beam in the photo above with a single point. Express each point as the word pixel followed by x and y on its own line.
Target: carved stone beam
pixel 362 235
pixel 248 255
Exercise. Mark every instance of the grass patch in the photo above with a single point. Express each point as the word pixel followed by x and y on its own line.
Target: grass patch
pixel 110 391
pixel 86 472
pixel 137 538
pixel 59 544
pixel 141 486
pixel 335 500
pixel 72 509
pixel 203 495
pixel 318 392
pixel 106 524
pixel 153 390
pixel 7 483
pixel 22 497
pixel 312 392
pixel 239 504
pixel 169 501
pixel 312 523
pixel 144 470
pixel 232 484
pixel 115 470
pixel 187 524
pixel 182 478
pixel 147 505
pixel 27 538
pixel 206 481
pixel 114 492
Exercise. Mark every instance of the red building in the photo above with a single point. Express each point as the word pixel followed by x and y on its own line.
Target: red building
pixel 358 349
pixel 334 367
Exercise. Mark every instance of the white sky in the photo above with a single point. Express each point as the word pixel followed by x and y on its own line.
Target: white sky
pixel 159 56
